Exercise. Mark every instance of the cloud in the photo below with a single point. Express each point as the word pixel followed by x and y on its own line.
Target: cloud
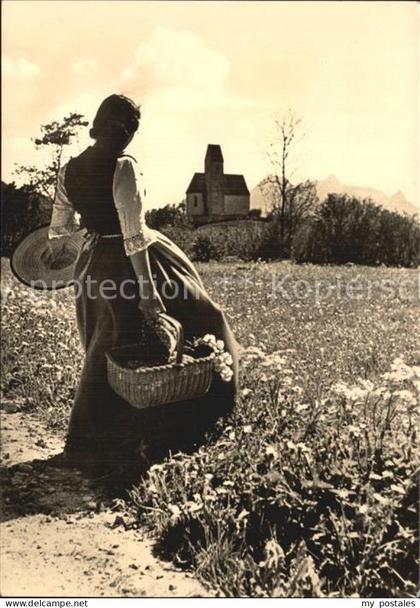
pixel 83 65
pixel 183 86
pixel 179 71
pixel 20 68
pixel 84 103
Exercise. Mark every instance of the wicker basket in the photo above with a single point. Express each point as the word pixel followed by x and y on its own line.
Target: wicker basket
pixel 143 386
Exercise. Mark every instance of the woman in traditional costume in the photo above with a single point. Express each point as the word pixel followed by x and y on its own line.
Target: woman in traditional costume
pixel 126 274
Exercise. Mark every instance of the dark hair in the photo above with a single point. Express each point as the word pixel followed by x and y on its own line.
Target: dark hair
pixel 117 119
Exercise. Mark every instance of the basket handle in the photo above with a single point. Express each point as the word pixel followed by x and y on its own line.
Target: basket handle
pixel 179 335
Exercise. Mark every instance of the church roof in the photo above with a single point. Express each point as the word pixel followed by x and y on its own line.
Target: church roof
pixel 215 152
pixel 233 184
pixel 197 184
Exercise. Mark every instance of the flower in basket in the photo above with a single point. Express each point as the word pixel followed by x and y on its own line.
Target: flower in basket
pixel 222 359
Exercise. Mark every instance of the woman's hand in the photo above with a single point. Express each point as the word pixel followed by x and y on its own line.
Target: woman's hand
pixel 151 305
pixel 54 250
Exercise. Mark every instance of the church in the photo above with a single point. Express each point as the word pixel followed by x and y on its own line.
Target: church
pixel 215 195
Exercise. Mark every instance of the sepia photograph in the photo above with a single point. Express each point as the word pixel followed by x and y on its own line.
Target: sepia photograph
pixel 210 239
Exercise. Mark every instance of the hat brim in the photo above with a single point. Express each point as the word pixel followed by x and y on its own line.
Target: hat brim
pixel 32 263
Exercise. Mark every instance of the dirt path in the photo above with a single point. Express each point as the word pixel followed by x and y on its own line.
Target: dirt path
pixel 60 537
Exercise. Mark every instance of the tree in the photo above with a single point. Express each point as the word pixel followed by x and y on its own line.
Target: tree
pixel 290 203
pixel 169 215
pixel 56 135
pixel 301 202
pixel 21 212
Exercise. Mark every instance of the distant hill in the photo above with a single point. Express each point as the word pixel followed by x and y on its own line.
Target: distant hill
pixel 396 202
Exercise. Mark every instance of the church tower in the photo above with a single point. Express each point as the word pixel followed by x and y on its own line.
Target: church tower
pixel 213 167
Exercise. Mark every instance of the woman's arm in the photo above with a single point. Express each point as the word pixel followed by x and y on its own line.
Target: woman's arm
pixel 150 302
pixel 137 236
pixel 63 220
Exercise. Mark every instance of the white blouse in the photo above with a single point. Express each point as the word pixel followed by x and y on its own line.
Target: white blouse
pixel 126 191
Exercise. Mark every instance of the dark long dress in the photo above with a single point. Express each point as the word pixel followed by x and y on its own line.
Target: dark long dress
pixel 102 425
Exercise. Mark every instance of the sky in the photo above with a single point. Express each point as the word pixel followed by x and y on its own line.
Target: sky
pixel 222 72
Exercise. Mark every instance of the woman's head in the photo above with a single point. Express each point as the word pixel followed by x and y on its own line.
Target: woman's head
pixel 115 123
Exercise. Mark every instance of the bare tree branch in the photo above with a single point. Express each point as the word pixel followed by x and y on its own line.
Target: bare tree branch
pixel 289 203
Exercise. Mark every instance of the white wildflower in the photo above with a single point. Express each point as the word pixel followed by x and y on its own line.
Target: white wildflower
pixel 303 447
pixel 210 339
pixel 407 397
pixel 175 513
pixel 226 358
pixel 367 385
pixel 226 374
pixel 271 451
pixel 399 372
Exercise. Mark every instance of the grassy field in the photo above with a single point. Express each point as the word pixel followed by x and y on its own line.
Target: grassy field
pixel 311 488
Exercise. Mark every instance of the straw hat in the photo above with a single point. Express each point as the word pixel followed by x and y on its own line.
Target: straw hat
pixel 34 265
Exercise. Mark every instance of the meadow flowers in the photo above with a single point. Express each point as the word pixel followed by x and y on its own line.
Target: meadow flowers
pixel 401 372
pixel 401 384
pixel 318 462
pixel 223 360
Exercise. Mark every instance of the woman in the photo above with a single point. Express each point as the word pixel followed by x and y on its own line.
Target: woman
pixel 102 186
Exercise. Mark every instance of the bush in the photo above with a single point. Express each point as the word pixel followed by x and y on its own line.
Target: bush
pixel 346 229
pixel 205 249
pixel 221 241
pixel 169 215
pixel 21 212
pixel 342 229
pixel 242 240
pixel 308 245
pixel 271 246
pixel 245 241
pixel 181 236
